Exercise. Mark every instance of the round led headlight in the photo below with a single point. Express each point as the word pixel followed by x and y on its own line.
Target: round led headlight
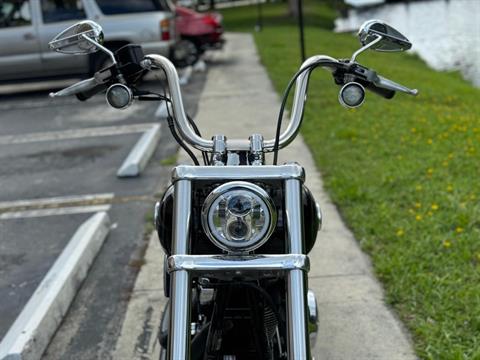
pixel 238 216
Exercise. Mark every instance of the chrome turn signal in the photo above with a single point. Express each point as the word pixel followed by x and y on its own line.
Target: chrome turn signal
pixel 352 95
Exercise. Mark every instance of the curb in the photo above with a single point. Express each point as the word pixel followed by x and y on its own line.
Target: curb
pixel 138 157
pixel 186 74
pixel 33 329
pixel 200 66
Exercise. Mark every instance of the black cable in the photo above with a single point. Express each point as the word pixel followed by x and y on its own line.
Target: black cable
pixel 159 97
pixel 171 126
pixel 284 102
pixel 192 124
pixel 195 128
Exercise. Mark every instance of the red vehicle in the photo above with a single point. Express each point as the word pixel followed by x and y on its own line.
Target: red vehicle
pixel 198 32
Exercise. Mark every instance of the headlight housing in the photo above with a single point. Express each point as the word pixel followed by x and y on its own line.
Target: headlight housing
pixel 238 216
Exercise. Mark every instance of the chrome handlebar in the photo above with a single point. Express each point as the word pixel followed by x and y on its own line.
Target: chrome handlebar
pixel 202 144
pixel 154 61
pixel 299 99
pixel 180 117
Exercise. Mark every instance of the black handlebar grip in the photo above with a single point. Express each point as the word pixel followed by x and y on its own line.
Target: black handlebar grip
pixel 386 93
pixel 85 95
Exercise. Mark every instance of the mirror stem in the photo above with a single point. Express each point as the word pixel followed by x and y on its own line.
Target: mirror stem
pixel 362 49
pixel 103 48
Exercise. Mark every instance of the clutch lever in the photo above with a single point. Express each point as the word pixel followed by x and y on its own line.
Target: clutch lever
pixel 100 78
pixel 78 87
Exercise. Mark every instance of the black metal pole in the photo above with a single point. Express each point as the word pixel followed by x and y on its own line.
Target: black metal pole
pixel 301 29
pixel 259 25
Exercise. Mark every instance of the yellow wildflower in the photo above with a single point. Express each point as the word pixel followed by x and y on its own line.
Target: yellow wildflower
pixel 418 217
pixel 434 207
pixel 459 229
pixel 418 205
pixel 400 232
pixel 447 244
pixel 449 188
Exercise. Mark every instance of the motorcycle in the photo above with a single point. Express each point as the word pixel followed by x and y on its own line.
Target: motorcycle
pixel 236 232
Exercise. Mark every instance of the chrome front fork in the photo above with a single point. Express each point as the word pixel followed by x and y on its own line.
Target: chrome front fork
pixel 179 334
pixel 180 296
pixel 297 329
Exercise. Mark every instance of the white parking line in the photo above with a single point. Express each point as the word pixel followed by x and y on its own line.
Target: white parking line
pixel 31 332
pixel 140 154
pixel 35 86
pixel 52 212
pixel 62 205
pixel 60 200
pixel 75 133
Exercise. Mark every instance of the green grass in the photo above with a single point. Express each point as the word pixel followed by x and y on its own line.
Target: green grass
pixel 404 173
pixel 169 161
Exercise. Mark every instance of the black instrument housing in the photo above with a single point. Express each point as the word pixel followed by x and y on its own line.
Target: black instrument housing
pixel 352 71
pixel 129 58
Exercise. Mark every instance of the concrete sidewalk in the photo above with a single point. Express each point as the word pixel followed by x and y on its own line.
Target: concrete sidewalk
pixel 355 323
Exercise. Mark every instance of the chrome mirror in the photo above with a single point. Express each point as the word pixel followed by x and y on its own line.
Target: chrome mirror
pixel 81 38
pixel 382 37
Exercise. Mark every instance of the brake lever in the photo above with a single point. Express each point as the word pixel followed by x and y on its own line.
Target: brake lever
pixel 353 71
pixel 385 83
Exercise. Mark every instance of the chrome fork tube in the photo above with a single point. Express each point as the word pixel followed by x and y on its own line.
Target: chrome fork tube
pixel 179 334
pixel 298 338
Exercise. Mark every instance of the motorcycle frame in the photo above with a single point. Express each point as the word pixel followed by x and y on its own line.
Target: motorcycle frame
pixel 294 265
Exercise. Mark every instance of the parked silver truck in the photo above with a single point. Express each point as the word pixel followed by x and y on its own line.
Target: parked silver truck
pixel 26 26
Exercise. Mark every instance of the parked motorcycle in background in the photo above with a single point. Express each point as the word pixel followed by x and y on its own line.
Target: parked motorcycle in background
pixel 236 232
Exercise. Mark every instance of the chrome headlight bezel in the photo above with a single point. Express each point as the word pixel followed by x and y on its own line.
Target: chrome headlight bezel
pixel 239 187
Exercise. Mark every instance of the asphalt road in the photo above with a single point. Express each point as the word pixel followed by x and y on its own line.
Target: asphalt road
pixel 40 158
